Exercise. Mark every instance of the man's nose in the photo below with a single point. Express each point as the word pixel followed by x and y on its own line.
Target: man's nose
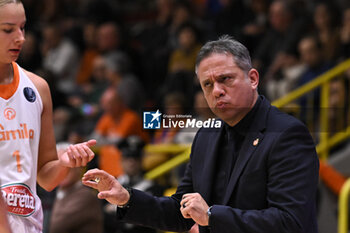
pixel 218 90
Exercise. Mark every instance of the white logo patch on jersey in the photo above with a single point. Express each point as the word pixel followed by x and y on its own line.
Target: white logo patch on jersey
pixel 19 199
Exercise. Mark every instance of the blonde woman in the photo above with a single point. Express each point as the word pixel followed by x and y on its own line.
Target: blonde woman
pixel 27 142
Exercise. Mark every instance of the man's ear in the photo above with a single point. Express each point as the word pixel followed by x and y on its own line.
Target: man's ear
pixel 253 75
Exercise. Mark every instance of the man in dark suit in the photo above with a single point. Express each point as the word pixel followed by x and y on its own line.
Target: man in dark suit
pixel 257 173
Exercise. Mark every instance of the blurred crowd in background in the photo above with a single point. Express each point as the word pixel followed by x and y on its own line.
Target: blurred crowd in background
pixel 107 61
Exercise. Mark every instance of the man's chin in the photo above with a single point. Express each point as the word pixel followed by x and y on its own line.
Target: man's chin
pixel 223 114
pixel 227 115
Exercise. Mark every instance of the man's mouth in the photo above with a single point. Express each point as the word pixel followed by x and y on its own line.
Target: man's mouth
pixel 220 104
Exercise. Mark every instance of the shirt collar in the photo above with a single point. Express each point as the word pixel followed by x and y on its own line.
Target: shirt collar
pixel 243 125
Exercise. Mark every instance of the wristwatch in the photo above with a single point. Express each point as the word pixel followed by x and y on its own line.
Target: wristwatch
pixel 127 205
pixel 209 213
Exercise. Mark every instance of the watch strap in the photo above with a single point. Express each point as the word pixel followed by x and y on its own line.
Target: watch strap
pixel 127 205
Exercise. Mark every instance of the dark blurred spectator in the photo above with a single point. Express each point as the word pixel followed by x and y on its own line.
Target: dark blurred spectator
pixel 51 11
pixel 182 13
pixel 32 13
pixel 327 26
pixel 89 93
pixel 82 108
pixel 110 39
pixel 60 56
pixel 345 33
pixel 154 48
pixel 338 104
pixel 228 20
pixel 111 46
pixel 90 52
pixel 30 56
pixel 132 153
pixel 76 207
pixel 92 90
pixel 47 200
pixel 182 82
pixel 311 55
pixel 174 103
pixel 279 87
pixel 119 75
pixel 278 48
pixel 159 39
pixel 60 105
pixel 100 10
pixel 86 99
pixel 254 23
pixel 339 108
pixel 116 123
pixel 183 57
pixel 181 76
pixel 164 11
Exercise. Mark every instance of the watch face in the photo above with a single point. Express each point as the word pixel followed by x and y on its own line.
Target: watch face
pixel 209 211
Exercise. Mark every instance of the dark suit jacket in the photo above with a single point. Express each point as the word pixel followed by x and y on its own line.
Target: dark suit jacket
pixel 272 187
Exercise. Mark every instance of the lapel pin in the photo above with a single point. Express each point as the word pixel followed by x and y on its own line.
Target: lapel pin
pixel 256 142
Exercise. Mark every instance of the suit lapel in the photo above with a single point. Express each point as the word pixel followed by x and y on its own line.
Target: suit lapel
pixel 251 142
pixel 246 152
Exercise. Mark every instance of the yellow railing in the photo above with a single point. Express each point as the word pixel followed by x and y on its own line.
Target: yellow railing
pixel 343 210
pixel 183 152
pixel 325 142
pixel 317 82
pixel 166 148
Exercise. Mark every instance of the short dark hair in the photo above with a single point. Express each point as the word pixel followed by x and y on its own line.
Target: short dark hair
pixel 226 44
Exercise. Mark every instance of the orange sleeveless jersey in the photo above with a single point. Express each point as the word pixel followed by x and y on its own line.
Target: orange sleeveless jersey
pixel 20 122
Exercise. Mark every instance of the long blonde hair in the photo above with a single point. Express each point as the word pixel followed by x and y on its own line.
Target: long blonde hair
pixel 5 2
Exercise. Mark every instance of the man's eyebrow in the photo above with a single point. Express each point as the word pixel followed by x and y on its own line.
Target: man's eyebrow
pixel 226 74
pixel 11 24
pixel 205 80
pixel 231 73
